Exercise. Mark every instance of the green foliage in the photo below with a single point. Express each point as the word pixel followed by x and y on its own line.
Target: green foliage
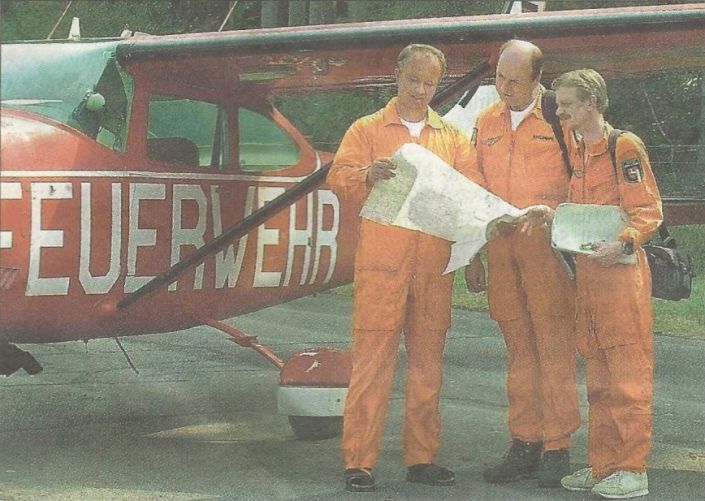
pixel 684 318
pixel 603 4
pixel 324 118
pixel 665 112
pixel 375 10
pixel 692 239
pixel 33 20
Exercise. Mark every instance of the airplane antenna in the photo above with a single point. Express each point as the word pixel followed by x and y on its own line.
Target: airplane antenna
pixel 61 17
pixel 227 16
pixel 127 357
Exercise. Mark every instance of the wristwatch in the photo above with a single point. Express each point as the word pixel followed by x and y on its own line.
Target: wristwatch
pixel 628 248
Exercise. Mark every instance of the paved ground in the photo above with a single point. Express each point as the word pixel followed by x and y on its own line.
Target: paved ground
pixel 199 422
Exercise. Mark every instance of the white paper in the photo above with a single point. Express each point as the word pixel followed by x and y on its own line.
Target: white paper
pixel 430 196
pixel 576 227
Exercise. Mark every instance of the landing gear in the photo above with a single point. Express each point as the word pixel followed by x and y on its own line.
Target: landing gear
pixel 312 389
pixel 312 385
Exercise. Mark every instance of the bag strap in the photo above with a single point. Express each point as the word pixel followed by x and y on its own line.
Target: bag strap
pixel 612 146
pixel 666 238
pixel 548 108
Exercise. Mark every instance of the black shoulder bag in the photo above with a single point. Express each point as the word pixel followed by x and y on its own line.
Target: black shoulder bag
pixel 671 269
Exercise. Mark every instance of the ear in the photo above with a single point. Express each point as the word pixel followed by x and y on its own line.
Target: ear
pixel 396 74
pixel 593 100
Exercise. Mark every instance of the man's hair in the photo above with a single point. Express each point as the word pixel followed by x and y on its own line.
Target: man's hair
pixel 410 50
pixel 535 54
pixel 586 83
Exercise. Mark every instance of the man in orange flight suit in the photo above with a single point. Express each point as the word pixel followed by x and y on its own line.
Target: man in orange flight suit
pixel 530 293
pixel 399 285
pixel 614 300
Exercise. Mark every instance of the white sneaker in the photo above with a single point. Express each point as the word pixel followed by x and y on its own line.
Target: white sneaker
pixel 622 484
pixel 581 480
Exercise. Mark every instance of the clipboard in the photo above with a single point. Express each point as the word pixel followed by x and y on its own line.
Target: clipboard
pixel 577 226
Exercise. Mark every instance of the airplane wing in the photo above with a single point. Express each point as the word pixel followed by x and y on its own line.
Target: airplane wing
pixel 617 42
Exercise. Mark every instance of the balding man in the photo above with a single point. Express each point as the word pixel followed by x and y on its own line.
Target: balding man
pixel 530 294
pixel 399 281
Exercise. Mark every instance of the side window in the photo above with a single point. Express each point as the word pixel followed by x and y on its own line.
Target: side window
pixel 264 145
pixel 187 132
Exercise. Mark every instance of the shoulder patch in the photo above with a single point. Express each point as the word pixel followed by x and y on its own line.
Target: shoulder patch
pixel 632 170
pixel 473 138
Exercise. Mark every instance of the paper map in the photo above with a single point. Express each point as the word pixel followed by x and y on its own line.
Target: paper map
pixel 430 196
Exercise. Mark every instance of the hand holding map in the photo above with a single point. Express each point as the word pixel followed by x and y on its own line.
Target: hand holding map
pixel 430 196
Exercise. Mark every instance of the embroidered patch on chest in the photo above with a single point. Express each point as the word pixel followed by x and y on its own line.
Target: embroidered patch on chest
pixel 543 138
pixel 491 140
pixel 633 171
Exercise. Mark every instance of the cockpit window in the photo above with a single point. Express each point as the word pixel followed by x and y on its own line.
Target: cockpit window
pixel 78 84
pixel 263 144
pixel 188 132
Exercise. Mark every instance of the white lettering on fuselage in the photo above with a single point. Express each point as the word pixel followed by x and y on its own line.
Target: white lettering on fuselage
pixel 140 237
pixel 100 284
pixel 9 191
pixel 228 263
pixel 310 238
pixel 188 236
pixel 39 239
pixel 266 237
pixel 327 238
pixel 300 238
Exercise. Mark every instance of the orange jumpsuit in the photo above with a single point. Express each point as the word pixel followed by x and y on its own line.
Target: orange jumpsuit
pixel 398 286
pixel 614 307
pixel 530 293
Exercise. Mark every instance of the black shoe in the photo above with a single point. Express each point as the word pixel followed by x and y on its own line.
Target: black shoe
pixel 359 480
pixel 554 466
pixel 430 474
pixel 521 461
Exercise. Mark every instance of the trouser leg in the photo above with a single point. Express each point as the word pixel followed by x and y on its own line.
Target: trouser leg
pixel 603 440
pixel 424 378
pixel 555 344
pixel 523 380
pixel 374 355
pixel 631 392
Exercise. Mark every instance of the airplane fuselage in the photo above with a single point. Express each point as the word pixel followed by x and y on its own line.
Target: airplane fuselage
pixel 86 220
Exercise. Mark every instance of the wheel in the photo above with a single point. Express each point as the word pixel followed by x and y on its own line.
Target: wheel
pixel 316 427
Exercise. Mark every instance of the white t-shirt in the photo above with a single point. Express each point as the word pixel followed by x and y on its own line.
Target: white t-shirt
pixel 415 128
pixel 519 116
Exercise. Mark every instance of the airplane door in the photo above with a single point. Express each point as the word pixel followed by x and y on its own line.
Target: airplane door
pixel 296 247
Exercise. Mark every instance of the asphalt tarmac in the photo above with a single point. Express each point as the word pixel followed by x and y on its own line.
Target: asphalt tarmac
pixel 199 421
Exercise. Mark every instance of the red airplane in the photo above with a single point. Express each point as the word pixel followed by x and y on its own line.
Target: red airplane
pixel 147 184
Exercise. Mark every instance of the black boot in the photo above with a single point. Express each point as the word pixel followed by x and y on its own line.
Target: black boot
pixel 554 466
pixel 521 461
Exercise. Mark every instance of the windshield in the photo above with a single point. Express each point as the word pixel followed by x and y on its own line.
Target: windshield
pixel 78 84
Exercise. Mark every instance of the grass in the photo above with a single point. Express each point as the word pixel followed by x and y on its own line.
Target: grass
pixel 684 318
